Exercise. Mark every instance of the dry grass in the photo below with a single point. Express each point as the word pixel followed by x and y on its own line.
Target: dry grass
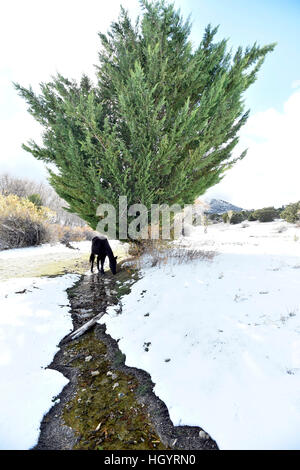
pixel 159 253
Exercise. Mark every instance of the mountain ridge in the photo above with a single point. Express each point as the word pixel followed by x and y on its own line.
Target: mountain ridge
pixel 219 206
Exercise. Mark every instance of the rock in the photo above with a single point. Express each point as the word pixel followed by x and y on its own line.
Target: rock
pixel 88 358
pixel 115 385
pixel 98 427
pixel 114 376
pixel 94 373
pixel 203 435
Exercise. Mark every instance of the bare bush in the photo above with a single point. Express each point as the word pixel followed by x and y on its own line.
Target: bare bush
pixel 21 232
pixel 66 234
pixel 179 256
pixel 159 253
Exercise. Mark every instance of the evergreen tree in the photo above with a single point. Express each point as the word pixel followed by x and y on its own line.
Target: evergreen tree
pixel 291 213
pixel 161 122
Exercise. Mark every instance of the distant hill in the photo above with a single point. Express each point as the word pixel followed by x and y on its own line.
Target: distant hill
pixel 218 206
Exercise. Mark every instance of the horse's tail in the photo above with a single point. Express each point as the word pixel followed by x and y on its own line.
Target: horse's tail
pixel 92 257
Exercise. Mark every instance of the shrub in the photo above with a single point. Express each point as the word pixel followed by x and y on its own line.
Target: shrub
pixel 36 200
pixel 159 253
pixel 267 214
pixel 225 217
pixel 22 223
pixel 26 188
pixel 215 218
pixel 233 217
pixel 251 217
pixel 237 218
pixel 291 213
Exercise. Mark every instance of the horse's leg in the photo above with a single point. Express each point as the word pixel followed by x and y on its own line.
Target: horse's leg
pixel 102 263
pixel 98 263
pixel 92 258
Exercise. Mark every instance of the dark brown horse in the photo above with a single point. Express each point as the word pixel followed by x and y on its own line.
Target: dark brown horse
pixel 101 248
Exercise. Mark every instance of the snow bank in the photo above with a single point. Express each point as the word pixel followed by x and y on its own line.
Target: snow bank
pixel 224 336
pixel 31 325
pixel 45 249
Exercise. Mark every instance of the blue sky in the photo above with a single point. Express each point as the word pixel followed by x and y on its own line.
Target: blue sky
pixel 40 38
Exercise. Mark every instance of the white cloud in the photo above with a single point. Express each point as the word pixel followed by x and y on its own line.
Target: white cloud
pixel 40 38
pixel 13 159
pixel 270 173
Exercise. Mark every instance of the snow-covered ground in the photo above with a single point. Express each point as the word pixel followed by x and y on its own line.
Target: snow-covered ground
pixel 221 338
pixel 32 322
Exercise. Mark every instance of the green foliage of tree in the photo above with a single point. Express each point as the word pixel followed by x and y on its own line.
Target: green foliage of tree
pixel 160 124
pixel 291 213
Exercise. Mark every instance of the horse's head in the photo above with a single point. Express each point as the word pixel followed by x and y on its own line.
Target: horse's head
pixel 113 264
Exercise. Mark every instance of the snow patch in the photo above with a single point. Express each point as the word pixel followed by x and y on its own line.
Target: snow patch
pixel 34 318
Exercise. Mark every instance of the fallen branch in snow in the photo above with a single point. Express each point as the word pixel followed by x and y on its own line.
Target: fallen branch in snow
pixel 82 329
pixel 21 291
